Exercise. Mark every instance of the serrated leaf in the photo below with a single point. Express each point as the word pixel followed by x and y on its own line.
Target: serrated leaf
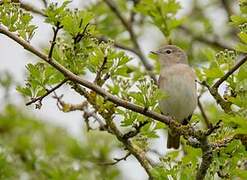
pixel 237 20
pixel 24 91
pixel 243 37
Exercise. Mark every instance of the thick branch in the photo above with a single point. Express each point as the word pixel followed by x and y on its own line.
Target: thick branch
pixel 207 158
pixel 230 72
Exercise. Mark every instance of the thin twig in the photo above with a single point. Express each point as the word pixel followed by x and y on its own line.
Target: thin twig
pixel 230 72
pixel 207 122
pixel 79 36
pixel 66 107
pixel 53 43
pixel 117 160
pixel 87 114
pixel 98 79
pixel 213 128
pixel 47 93
pixel 102 125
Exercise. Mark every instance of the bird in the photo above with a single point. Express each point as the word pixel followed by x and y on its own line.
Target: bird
pixel 178 81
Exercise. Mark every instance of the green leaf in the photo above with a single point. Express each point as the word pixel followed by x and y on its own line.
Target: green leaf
pixel 243 6
pixel 24 91
pixel 54 13
pixel 75 22
pixel 162 13
pixel 243 37
pixel 241 47
pixel 13 17
pixel 238 20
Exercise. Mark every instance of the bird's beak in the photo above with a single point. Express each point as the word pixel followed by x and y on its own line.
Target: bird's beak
pixel 154 52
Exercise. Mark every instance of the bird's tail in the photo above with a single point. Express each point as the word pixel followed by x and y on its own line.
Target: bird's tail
pixel 173 140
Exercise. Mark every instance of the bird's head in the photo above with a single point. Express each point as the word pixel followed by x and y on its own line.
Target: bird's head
pixel 170 55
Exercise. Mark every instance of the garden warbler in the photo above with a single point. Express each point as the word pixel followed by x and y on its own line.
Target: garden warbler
pixel 178 80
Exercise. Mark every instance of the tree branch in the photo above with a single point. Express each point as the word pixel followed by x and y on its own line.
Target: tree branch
pixel 67 107
pixel 225 105
pixel 207 122
pixel 117 160
pixel 230 72
pixel 112 128
pixel 47 93
pixel 71 76
pixel 98 80
pixel 136 151
pixel 213 128
pixel 53 43
pixel 207 157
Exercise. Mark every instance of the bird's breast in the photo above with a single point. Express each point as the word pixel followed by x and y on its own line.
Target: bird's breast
pixel 178 82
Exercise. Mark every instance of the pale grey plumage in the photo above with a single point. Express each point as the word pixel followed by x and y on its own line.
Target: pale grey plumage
pixel 177 80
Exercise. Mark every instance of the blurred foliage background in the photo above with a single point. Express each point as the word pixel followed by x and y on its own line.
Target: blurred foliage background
pixel 33 149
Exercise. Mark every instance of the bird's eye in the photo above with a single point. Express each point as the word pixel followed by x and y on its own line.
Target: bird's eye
pixel 168 51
